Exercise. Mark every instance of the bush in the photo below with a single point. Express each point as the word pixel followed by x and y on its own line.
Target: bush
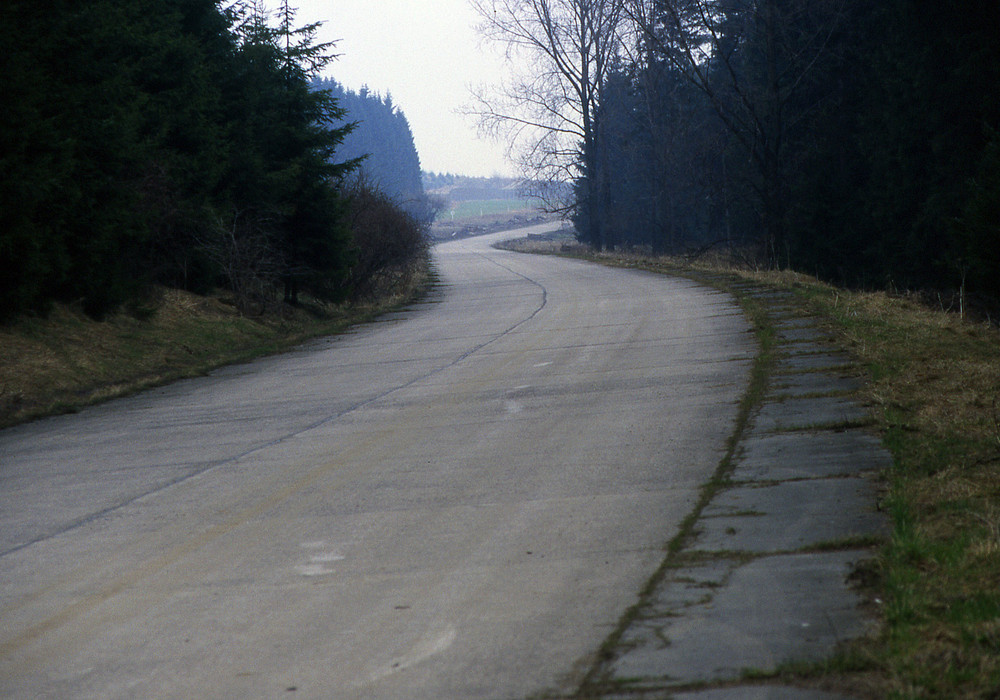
pixel 390 242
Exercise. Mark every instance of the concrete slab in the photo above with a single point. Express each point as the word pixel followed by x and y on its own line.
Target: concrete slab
pixel 789 516
pixel 803 334
pixel 777 303
pixel 785 385
pixel 813 362
pixel 810 455
pixel 691 585
pixel 760 692
pixel 794 322
pixel 820 344
pixel 772 610
pixel 805 413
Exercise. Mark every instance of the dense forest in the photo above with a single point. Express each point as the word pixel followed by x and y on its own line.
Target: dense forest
pixel 382 139
pixel 853 140
pixel 169 142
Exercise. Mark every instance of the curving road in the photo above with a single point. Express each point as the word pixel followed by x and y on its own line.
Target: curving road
pixel 458 501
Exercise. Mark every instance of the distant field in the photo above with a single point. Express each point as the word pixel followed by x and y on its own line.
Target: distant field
pixel 485 207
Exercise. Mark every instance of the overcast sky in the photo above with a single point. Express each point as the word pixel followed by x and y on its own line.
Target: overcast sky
pixel 426 54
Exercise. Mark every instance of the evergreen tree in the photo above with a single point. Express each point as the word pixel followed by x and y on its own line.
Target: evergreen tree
pixel 163 141
pixel 383 142
pixel 35 161
pixel 282 214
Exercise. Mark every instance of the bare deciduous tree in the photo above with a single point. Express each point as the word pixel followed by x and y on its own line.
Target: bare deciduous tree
pixel 547 112
pixel 242 249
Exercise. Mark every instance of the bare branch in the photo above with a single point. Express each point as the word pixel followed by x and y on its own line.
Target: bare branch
pixel 547 114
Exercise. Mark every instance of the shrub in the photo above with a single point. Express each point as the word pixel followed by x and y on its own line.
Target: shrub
pixel 390 242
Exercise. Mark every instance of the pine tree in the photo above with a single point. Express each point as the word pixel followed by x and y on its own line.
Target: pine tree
pixel 383 141
pixel 283 172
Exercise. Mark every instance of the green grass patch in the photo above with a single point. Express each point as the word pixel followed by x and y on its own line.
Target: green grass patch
pixel 935 379
pixel 487 207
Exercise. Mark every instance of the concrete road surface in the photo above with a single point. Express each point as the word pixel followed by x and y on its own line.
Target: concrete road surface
pixel 458 501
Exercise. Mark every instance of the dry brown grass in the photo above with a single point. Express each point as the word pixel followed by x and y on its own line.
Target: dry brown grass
pixel 67 360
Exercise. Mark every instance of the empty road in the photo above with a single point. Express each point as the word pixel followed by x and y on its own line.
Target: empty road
pixel 458 501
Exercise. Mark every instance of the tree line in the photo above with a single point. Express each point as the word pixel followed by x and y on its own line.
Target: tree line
pixel 856 141
pixel 382 142
pixel 171 142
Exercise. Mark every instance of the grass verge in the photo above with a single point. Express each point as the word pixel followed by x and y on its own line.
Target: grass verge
pixel 935 380
pixel 65 361
pixel 934 386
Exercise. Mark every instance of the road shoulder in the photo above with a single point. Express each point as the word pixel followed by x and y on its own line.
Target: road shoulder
pixel 764 580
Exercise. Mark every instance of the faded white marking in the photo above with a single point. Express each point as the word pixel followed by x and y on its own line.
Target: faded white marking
pixel 327 557
pixel 312 570
pixel 430 644
pixel 316 567
pixel 543 364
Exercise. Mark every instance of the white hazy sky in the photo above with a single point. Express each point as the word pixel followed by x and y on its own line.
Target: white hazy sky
pixel 426 54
